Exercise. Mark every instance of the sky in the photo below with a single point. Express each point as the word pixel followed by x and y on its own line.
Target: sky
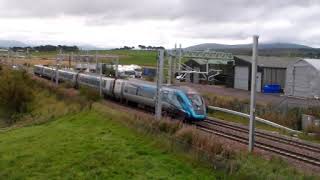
pixel 115 23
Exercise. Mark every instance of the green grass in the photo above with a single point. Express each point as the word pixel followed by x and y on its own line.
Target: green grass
pixel 47 54
pixel 89 146
pixel 2 118
pixel 258 125
pixel 139 57
pixel 242 120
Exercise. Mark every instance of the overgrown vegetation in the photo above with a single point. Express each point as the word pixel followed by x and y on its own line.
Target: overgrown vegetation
pixel 91 139
pixel 205 149
pixel 290 117
pixel 16 92
pixel 25 100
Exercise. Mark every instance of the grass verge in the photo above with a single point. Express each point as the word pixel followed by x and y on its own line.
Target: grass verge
pixel 89 145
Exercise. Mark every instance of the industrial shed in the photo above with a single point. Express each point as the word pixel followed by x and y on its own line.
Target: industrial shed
pixel 224 77
pixel 303 78
pixel 271 70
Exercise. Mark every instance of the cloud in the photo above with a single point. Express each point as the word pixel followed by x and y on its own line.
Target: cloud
pixel 274 20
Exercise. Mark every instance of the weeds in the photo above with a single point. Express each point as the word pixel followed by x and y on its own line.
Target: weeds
pixel 287 117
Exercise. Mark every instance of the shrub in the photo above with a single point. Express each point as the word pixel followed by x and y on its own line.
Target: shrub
pixel 16 91
pixel 313 129
pixel 186 135
pixel 169 126
pixel 290 117
pixel 89 93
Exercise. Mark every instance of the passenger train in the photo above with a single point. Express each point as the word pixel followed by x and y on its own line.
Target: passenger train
pixel 177 101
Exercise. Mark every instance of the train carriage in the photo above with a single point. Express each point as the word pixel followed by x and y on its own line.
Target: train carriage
pixel 179 101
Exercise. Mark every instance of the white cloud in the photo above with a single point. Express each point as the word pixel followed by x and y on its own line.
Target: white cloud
pixel 154 22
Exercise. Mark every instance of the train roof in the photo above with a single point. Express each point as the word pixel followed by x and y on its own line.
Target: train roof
pixel 186 89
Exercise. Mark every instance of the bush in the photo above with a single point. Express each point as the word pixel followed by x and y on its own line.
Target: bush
pixel 16 91
pixel 290 117
pixel 89 93
pixel 186 135
pixel 169 126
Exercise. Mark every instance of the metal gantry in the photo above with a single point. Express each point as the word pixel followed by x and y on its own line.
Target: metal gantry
pixel 176 66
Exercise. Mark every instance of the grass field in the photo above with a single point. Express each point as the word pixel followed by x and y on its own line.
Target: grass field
pixel 139 57
pixel 241 120
pixel 89 146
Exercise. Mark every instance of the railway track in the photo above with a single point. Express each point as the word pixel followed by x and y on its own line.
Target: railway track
pixel 234 131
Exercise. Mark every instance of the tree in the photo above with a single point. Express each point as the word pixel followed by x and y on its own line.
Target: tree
pixel 142 47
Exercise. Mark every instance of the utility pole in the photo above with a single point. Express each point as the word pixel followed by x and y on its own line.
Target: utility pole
pixel 57 64
pixel 8 57
pixel 70 59
pixel 117 69
pixel 174 63
pixel 169 70
pixel 100 84
pixel 96 59
pixel 180 56
pixel 253 93
pixel 158 104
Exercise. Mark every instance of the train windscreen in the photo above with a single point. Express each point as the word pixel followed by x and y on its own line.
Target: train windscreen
pixel 197 103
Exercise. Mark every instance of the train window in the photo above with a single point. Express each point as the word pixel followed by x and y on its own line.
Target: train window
pixel 180 100
pixel 173 99
pixel 195 99
pixel 146 92
pixel 131 90
pixel 165 96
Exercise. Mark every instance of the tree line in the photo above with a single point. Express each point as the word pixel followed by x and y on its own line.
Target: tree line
pixel 143 47
pixel 46 48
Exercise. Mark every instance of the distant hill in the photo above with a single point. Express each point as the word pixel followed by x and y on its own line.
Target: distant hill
pixel 89 47
pixel 265 49
pixel 12 43
pixel 212 46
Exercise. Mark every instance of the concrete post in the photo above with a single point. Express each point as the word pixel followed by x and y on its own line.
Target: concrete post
pixel 100 84
pixel 169 70
pixel 57 64
pixel 253 93
pixel 117 64
pixel 174 63
pixel 180 57
pixel 8 57
pixel 70 59
pixel 158 104
pixel 96 59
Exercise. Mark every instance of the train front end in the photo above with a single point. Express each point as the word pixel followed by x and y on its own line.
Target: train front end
pixel 194 104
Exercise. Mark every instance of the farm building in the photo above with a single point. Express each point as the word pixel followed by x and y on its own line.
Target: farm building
pixel 201 65
pixel 303 78
pixel 271 70
pixel 237 73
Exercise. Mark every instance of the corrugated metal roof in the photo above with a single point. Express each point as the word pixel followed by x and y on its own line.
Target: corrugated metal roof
pixel 211 61
pixel 270 61
pixel 314 62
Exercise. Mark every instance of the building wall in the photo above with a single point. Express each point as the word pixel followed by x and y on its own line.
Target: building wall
pixel 302 80
pixel 226 76
pixel 274 76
